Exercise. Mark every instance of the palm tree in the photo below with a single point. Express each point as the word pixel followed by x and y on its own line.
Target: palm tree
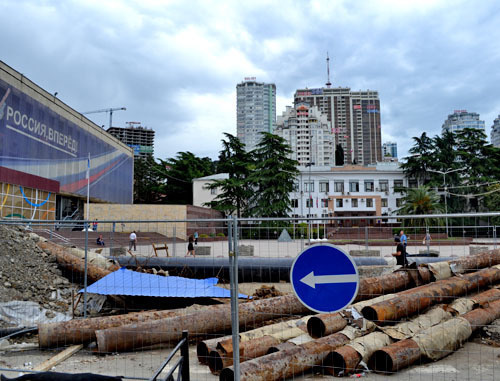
pixel 418 201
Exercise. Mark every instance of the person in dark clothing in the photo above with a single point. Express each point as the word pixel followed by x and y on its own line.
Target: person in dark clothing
pixel 100 240
pixel 400 253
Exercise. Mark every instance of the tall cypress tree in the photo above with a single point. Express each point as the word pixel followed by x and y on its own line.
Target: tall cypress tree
pixel 273 177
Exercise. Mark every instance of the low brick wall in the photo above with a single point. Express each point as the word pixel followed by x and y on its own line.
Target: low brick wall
pixel 364 253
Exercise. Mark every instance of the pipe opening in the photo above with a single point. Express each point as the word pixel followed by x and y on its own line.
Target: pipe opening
pixel 202 353
pixel 315 327
pixel 338 364
pixel 227 374
pixel 381 362
pixel 369 313
pixel 215 362
pixel 272 350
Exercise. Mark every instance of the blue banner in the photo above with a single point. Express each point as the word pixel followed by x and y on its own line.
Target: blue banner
pixel 37 140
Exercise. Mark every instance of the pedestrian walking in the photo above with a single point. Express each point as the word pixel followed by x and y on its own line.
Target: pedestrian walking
pixel 190 247
pixel 132 241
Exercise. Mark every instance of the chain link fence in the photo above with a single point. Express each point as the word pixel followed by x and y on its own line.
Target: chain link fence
pixel 227 281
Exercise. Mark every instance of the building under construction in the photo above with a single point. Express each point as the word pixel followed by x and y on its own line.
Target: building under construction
pixel 140 138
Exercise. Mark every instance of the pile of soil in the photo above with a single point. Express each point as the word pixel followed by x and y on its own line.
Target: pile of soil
pixel 28 273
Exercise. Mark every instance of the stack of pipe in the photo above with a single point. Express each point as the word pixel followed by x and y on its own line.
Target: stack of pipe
pixel 435 342
pixel 347 359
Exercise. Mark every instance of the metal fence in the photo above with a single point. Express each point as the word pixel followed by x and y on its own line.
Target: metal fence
pixel 249 258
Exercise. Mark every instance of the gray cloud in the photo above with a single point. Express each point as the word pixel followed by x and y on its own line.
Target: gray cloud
pixel 175 65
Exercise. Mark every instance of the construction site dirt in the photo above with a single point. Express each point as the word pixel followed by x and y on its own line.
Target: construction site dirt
pixel 30 274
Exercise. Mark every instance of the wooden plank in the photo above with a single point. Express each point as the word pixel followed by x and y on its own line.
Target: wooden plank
pixel 59 358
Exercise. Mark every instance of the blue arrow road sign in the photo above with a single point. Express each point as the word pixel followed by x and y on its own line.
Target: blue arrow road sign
pixel 324 278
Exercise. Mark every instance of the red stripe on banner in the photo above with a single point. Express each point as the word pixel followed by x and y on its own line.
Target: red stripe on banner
pixel 83 182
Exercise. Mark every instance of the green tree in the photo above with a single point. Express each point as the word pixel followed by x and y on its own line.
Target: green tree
pixel 418 201
pixel 421 159
pixel 492 201
pixel 180 172
pixel 273 177
pixel 149 184
pixel 236 190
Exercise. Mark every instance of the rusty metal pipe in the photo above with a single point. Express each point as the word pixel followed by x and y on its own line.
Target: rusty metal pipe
pixel 214 319
pixel 406 352
pixel 478 261
pixel 396 356
pixel 203 348
pixel 280 347
pixel 82 331
pixel 409 302
pixel 251 349
pixel 288 362
pixel 325 324
pixel 342 361
pixel 74 263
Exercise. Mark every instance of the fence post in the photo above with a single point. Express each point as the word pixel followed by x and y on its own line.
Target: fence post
pixel 86 227
pixel 185 356
pixel 366 237
pixel 174 234
pixel 233 274
pixel 494 236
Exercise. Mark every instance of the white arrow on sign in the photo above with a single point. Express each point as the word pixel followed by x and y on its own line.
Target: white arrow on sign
pixel 311 280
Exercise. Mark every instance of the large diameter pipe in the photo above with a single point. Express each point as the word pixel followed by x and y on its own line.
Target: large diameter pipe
pixel 325 324
pixel 214 319
pixel 74 263
pixel 481 260
pixel 406 352
pixel 251 349
pixel 411 301
pixel 82 331
pixel 290 327
pixel 345 360
pixel 287 362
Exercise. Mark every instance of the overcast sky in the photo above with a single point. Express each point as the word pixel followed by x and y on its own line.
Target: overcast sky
pixel 175 64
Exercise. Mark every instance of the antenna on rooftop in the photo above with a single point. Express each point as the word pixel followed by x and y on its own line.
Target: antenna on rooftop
pixel 328 84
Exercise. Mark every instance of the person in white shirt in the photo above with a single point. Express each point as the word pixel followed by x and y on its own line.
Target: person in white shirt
pixel 132 241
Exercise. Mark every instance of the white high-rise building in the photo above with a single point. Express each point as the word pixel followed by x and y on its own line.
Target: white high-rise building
pixel 390 149
pixel 308 133
pixel 461 119
pixel 495 132
pixel 255 111
pixel 355 118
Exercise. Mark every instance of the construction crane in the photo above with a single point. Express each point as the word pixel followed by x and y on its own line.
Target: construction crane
pixel 110 110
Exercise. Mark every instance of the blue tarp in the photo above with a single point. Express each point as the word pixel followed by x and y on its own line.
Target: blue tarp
pixel 127 282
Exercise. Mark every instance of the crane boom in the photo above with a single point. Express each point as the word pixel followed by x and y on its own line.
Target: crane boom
pixel 110 110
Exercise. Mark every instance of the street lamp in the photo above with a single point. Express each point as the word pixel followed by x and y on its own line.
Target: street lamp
pixel 444 173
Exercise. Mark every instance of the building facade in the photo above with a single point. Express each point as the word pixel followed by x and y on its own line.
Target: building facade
pixel 308 133
pixel 348 191
pixel 141 139
pixel 355 120
pixel 390 149
pixel 495 132
pixel 255 111
pixel 51 155
pixel 461 119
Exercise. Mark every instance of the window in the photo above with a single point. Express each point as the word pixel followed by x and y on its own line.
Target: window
pixel 369 202
pixel 324 186
pixel 398 184
pixel 399 202
pixel 384 202
pixel 339 203
pixel 368 185
pixel 384 185
pixel 412 183
pixel 309 203
pixel 213 191
pixel 295 203
pixel 295 187
pixel 354 202
pixel 309 186
pixel 339 186
pixel 353 186
pixel 324 203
